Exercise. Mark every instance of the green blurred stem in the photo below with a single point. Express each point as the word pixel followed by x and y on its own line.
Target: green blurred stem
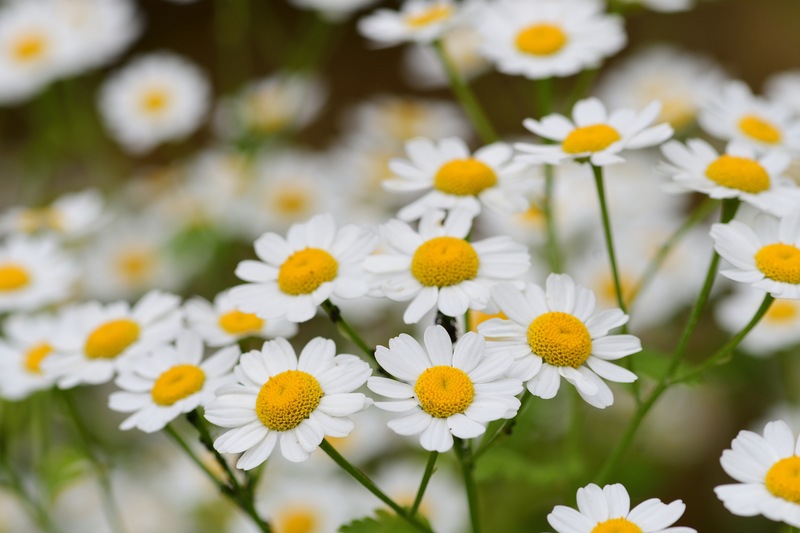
pixel 466 97
pixel 36 510
pixel 553 250
pixel 612 257
pixel 467 461
pixel 318 40
pixel 429 469
pixel 231 33
pixel 582 86
pixel 335 314
pixel 175 436
pixel 505 427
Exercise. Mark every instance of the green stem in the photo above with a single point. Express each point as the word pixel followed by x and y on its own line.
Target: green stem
pixel 169 430
pixel 581 87
pixel 36 510
pixel 231 24
pixel 612 258
pixel 335 314
pixel 505 428
pixel 466 97
pixel 424 483
pixel 575 434
pixel 467 461
pixel 553 250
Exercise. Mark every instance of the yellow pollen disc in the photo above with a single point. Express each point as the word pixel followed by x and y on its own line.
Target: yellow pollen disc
pixel 608 290
pixel 476 318
pixel 136 265
pixel 154 100
pixel 287 399
pixel 306 270
pixel 297 521
pixel 592 138
pixel 34 357
pixel 464 177
pixel 738 173
pixel 780 262
pixel 29 47
pixel 782 311
pixel 783 479
pixel 13 277
pixel 237 323
pixel 431 15
pixel 533 215
pixel 541 40
pixel 617 525
pixel 444 261
pixel 35 219
pixel 560 339
pixel 111 339
pixel 760 129
pixel 291 201
pixel 443 391
pixel 177 383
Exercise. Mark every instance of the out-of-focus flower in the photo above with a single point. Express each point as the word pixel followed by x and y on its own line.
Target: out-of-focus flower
pixel 28 341
pixel 335 10
pixel 666 6
pixel 421 21
pixel 71 216
pixel 784 88
pixel 461 43
pixel 34 273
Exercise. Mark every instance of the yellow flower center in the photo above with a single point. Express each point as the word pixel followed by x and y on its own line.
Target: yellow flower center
pixel 607 290
pixel 679 112
pixel 444 261
pixel 476 318
pixel 617 525
pixel 306 270
pixel 443 391
pixel 291 201
pixel 29 47
pixel 238 323
pixel 782 311
pixel 177 383
pixel 533 216
pixel 287 399
pixel 154 100
pixel 760 129
pixel 35 355
pixel 783 479
pixel 297 520
pixel 780 262
pixel 111 339
pixel 541 40
pixel 464 177
pixel 13 277
pixel 560 339
pixel 738 173
pixel 136 265
pixel 433 14
pixel 592 138
pixel 35 219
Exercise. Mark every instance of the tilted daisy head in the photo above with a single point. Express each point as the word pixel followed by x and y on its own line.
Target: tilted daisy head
pixel 168 380
pixel 34 273
pixel 555 333
pixel 418 20
pixel 766 468
pixel 593 134
pixel 441 391
pixel 280 396
pixel 27 342
pixel 438 268
pixel 458 179
pixel 299 272
pixel 765 255
pixel 608 510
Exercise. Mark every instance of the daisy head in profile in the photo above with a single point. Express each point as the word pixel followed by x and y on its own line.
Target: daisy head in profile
pixel 555 333
pixel 443 392
pixel 281 397
pixel 593 134
pixel 421 21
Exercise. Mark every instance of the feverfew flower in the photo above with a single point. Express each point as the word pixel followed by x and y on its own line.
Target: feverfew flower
pixel 282 397
pixel 28 341
pixel 444 391
pixel 593 134
pixel 168 380
pixel 421 21
pixel 459 180
pixel 34 273
pixel 438 268
pixel 548 37
pixel 314 262
pixel 555 333
pixel 779 329
pixel 608 510
pixel 71 215
pixel 156 98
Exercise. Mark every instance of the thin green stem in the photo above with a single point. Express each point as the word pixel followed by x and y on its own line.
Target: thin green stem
pixel 544 90
pixel 581 87
pixel 467 461
pixel 175 436
pixel 335 314
pixel 429 469
pixel 36 510
pixel 553 249
pixel 466 97
pixel 612 258
pixel 505 427
pixel 575 435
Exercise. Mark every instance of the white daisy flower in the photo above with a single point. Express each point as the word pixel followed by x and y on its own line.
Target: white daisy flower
pixel 282 397
pixel 555 333
pixel 593 134
pixel 156 98
pixel 766 469
pixel 314 262
pixel 608 510
pixel 548 37
pixel 424 69
pixel 766 255
pixel 738 173
pixel 459 180
pixel 444 391
pixel 421 21
pixel 784 88
pixel 736 114
pixel 96 340
pixel 34 273
pixel 28 342
pixel 438 268
pixel 166 381
pixel 222 323
pixel 71 215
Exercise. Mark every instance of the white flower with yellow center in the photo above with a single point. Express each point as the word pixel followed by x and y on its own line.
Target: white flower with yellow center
pixel 96 340
pixel 34 273
pixel 28 342
pixel 459 179
pixel 166 381
pixel 765 255
pixel 444 391
pixel 608 510
pixel 72 215
pixel 766 468
pixel 548 37
pixel 736 114
pixel 593 134
pixel 222 323
pixel 156 98
pixel 286 398
pixel 421 21
pixel 555 333
pixel 438 268
pixel 314 262
pixel 738 173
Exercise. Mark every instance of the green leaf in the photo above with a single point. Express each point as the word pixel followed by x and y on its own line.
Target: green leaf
pixel 383 522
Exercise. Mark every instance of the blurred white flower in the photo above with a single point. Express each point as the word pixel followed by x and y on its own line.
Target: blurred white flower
pixel 70 216
pixel 34 272
pixel 421 21
pixel 424 69
pixel 28 341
